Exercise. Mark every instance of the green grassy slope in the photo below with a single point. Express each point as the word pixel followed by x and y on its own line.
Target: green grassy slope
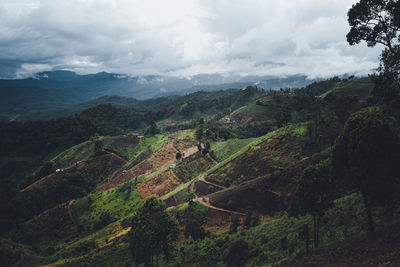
pixel 72 154
pixel 99 209
pixel 224 149
pixel 276 149
pixel 359 87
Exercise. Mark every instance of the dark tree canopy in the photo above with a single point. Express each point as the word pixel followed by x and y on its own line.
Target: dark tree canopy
pixel 153 232
pixel 375 21
pixel 315 190
pixel 367 156
pixel 315 193
pixel 378 22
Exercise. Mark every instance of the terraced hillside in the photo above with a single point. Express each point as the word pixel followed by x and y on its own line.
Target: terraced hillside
pixel 267 154
pixel 231 185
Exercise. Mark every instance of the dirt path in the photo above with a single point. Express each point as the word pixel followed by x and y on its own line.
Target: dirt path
pixel 210 183
pixel 214 160
pixel 176 177
pixel 189 151
pixel 114 154
pixel 206 202
pixel 71 216
pixel 173 146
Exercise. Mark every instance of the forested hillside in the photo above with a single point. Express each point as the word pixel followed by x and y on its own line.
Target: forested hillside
pixel 305 176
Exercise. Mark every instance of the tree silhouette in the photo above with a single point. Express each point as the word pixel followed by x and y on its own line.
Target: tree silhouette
pixel 367 156
pixel 315 193
pixel 153 232
pixel 378 22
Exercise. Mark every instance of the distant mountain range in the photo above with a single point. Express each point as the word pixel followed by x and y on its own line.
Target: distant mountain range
pixel 50 91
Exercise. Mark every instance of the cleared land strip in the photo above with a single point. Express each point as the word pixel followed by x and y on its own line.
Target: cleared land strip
pixel 206 202
pixel 71 215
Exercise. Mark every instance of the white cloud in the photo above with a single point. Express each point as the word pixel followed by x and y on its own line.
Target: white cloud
pixel 179 37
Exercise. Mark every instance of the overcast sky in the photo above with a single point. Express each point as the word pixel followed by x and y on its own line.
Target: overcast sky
pixel 180 37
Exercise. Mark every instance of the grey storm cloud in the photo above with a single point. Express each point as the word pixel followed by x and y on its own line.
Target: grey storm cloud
pixel 180 37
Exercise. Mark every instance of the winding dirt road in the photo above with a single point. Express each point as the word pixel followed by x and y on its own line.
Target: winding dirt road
pixel 206 202
pixel 210 183
pixel 114 154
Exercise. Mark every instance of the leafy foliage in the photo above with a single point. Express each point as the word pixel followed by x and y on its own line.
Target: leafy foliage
pixel 378 22
pixel 315 193
pixel 117 203
pixel 366 155
pixel 153 232
pixel 193 218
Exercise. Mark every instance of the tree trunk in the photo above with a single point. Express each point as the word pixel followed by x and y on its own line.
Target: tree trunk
pixel 315 232
pixel 307 236
pixel 318 219
pixel 368 210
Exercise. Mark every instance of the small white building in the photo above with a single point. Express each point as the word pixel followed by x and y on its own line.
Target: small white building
pixel 172 166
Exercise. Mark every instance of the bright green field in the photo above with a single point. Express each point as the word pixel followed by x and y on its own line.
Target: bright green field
pixel 117 203
pixel 251 108
pixel 70 155
pixel 224 149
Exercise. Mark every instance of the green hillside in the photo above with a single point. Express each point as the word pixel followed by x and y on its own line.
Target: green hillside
pixel 361 88
pixel 228 166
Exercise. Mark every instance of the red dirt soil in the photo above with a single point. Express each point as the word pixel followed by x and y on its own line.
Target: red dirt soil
pixel 158 185
pixel 163 157
pixel 133 173
pixel 173 122
pixel 186 147
pixel 157 161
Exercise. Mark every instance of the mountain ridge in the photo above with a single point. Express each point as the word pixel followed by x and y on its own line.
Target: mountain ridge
pixel 59 89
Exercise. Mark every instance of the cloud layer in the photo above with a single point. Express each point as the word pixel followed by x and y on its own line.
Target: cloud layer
pixel 180 37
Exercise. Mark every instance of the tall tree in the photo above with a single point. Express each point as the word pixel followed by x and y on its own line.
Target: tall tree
pixel 192 222
pixel 153 232
pixel 378 22
pixel 315 193
pixel 375 21
pixel 367 156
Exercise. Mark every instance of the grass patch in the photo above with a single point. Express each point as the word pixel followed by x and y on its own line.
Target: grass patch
pixel 178 189
pixel 359 87
pixel 191 167
pixel 99 209
pixel 251 108
pixel 295 130
pixel 222 150
pixel 154 142
pixel 72 154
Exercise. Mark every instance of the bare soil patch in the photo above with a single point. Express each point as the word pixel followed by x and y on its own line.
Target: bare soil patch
pixel 158 185
pixel 131 174
pixel 267 194
pixel 159 160
pixel 126 141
